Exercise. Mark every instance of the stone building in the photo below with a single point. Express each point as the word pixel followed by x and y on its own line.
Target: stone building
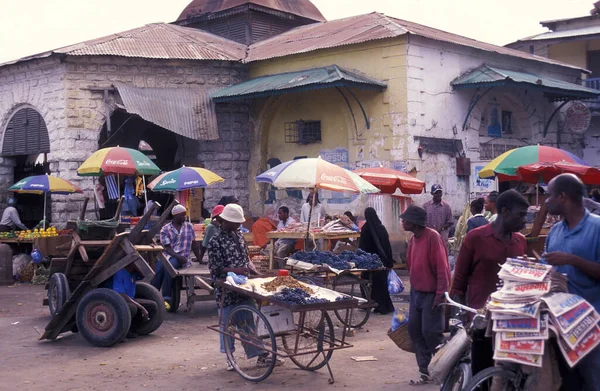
pixel 237 85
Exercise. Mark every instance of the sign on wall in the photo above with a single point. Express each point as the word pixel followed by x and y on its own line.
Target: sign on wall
pixel 479 185
pixel 578 117
pixel 339 156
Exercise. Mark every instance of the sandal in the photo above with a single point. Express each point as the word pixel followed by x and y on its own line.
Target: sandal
pixel 423 379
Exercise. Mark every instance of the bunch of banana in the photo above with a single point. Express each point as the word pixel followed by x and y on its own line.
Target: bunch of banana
pixel 461 229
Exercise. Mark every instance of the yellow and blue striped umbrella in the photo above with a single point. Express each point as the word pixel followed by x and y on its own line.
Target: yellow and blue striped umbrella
pixel 40 184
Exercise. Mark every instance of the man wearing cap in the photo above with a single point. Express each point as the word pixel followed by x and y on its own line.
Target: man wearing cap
pixel 211 229
pixel 439 214
pixel 427 262
pixel 178 239
pixel 227 252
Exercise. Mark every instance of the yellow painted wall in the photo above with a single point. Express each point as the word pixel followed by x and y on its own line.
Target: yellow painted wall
pixel 383 59
pixel 573 52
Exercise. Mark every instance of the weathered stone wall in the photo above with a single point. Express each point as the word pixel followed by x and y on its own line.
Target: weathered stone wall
pixel 38 84
pixel 85 112
pixel 74 115
pixel 229 156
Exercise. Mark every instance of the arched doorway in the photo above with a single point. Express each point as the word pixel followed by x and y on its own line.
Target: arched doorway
pixel 26 141
pixel 162 146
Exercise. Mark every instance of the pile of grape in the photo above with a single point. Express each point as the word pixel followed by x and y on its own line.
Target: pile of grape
pixel 296 296
pixel 320 258
pixel 362 259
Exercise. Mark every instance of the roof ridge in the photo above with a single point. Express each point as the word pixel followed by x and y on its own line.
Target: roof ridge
pixel 393 23
pixel 98 41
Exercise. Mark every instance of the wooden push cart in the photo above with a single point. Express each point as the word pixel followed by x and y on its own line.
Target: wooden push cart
pixel 100 314
pixel 308 339
pixel 353 282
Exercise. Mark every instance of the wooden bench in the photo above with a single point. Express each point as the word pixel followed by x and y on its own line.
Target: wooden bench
pixel 190 279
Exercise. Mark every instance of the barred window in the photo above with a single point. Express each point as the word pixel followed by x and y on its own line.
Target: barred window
pixel 302 132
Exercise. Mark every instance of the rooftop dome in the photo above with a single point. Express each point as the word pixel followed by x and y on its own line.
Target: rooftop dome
pixel 303 8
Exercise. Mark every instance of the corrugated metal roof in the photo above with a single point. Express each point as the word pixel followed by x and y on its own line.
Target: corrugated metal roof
pixel 577 32
pixel 365 28
pixel 310 79
pixel 303 8
pixel 188 112
pixel 157 40
pixel 487 76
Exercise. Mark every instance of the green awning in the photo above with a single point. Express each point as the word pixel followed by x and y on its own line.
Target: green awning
pixel 554 89
pixel 310 79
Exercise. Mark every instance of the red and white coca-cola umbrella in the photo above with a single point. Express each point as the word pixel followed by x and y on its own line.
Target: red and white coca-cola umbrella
pixel 117 160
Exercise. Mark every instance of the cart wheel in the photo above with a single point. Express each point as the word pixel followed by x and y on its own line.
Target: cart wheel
pixel 103 317
pixel 359 316
pixel 58 292
pixel 156 309
pixel 176 294
pixel 309 339
pixel 245 324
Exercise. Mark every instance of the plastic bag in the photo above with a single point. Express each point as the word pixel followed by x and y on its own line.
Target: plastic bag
pixel 36 256
pixel 400 318
pixel 395 285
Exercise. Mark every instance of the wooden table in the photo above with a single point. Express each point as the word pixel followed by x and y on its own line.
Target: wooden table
pixel 275 235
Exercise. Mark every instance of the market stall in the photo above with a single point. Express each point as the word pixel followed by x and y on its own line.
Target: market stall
pixel 288 310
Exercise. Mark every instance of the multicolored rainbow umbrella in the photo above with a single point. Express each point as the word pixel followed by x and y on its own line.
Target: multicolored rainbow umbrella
pixel 315 172
pixel 184 178
pixel 117 160
pixel 42 184
pixel 505 166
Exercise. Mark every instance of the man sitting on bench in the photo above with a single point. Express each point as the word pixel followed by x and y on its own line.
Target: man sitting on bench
pixel 177 239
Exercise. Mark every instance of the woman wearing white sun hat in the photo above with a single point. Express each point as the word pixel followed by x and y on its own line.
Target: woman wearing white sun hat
pixel 227 252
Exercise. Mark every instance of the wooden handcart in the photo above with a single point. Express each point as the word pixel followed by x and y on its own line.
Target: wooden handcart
pixel 100 314
pixel 309 340
pixel 350 282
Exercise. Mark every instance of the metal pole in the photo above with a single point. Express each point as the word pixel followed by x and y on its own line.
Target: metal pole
pixel 145 194
pixel 45 195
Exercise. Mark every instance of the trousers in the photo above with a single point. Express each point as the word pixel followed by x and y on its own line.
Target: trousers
pixel 425 327
pixel 163 279
pixel 244 322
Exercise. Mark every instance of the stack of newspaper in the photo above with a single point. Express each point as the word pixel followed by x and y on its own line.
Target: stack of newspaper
pixel 528 305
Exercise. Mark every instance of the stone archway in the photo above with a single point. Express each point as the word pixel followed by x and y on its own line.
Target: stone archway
pixel 25 145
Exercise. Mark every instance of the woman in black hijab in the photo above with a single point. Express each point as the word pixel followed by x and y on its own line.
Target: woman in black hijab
pixel 374 239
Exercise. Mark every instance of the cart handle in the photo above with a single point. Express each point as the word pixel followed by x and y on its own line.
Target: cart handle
pixel 458 305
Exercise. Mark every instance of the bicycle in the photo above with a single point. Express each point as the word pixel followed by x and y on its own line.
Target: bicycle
pixel 461 374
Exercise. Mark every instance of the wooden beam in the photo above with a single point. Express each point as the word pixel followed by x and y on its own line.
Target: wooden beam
pixel 114 268
pixel 144 269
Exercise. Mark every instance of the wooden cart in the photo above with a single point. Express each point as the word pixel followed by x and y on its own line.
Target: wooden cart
pixel 191 279
pixel 309 341
pixel 350 282
pixel 101 315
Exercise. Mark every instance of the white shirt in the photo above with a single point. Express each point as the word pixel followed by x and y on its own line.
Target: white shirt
pixel 282 225
pixel 10 218
pixel 317 212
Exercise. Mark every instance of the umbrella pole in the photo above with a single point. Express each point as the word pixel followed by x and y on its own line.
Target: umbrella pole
pixel 45 196
pixel 312 205
pixel 145 191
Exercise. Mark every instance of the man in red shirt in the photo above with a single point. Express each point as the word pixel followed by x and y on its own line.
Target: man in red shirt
pixel 427 261
pixel 481 254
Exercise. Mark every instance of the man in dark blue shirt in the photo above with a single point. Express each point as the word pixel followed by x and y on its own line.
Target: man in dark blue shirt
pixel 478 220
pixel 123 282
pixel 573 248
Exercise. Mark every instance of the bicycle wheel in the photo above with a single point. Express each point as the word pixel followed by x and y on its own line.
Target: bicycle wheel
pixel 503 379
pixel 247 324
pixel 458 378
pixel 308 340
pixel 359 316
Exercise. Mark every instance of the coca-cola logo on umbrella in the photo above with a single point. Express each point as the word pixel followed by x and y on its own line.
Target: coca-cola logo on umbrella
pixel 121 162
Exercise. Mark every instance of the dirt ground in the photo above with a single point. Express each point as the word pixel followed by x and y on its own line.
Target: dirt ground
pixel 182 355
